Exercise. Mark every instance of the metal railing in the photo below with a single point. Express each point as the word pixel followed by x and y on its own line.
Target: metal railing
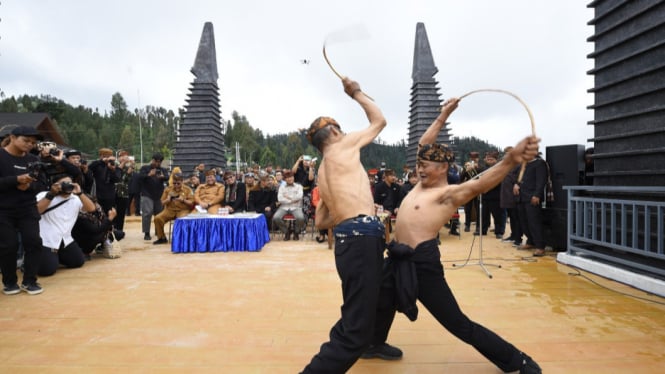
pixel 619 225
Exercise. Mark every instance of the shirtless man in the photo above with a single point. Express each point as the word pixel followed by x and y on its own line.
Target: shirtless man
pixel 347 203
pixel 423 212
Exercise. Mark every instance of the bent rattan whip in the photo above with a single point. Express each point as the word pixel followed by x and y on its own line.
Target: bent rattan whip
pixel 325 56
pixel 533 124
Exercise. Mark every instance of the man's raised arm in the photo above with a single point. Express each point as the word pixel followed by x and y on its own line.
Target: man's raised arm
pixel 376 119
pixel 429 137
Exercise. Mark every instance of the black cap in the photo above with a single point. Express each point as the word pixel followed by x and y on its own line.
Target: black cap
pixel 27 131
pixel 72 152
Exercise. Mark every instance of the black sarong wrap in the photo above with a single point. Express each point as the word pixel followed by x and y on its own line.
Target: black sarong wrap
pixel 360 226
pixel 403 271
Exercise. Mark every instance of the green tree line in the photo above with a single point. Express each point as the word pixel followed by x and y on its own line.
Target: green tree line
pixel 154 129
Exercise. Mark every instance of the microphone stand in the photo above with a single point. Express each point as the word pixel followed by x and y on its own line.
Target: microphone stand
pixel 480 261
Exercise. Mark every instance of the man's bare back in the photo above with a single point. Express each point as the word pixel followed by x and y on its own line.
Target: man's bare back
pixel 342 178
pixel 343 183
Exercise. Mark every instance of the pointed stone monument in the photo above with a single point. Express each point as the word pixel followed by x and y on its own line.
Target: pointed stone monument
pixel 200 136
pixel 425 98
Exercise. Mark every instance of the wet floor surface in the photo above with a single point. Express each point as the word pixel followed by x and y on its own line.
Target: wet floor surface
pixel 152 311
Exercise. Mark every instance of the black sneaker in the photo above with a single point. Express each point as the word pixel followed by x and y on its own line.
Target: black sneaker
pixel 32 288
pixel 529 366
pixel 11 289
pixel 383 351
pixel 147 237
pixel 160 241
pixel 508 239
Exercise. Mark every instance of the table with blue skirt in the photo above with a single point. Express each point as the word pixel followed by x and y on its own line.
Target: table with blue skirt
pixel 216 233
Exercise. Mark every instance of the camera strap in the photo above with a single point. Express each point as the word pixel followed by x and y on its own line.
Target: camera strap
pixel 55 206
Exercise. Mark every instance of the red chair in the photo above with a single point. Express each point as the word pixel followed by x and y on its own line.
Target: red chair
pixel 290 220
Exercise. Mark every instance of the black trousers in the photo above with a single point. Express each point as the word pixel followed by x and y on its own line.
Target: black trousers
pixel 531 221
pixel 70 256
pixel 436 296
pixel 515 226
pixel 359 261
pixel 24 222
pixel 498 214
pixel 121 204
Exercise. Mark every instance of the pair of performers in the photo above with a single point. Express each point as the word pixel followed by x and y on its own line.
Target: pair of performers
pixel 368 309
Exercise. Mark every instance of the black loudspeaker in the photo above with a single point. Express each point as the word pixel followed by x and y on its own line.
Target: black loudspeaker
pixel 566 167
pixel 555 228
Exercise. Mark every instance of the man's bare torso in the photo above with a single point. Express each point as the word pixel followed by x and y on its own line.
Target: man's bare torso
pixel 423 212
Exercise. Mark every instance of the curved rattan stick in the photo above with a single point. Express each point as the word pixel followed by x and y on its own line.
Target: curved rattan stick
pixel 533 124
pixel 325 56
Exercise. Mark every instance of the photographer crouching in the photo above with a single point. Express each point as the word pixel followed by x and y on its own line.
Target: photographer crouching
pixel 60 207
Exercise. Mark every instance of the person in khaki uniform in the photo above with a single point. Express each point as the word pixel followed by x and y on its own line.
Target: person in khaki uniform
pixel 178 201
pixel 210 195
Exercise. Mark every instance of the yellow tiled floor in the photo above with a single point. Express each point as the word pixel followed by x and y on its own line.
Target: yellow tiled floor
pixel 152 311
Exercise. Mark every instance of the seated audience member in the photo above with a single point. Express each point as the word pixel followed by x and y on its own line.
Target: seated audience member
pixel 235 195
pixel 290 200
pixel 176 171
pixel 210 196
pixel 250 183
pixel 178 201
pixel 59 208
pixel 193 182
pixel 92 229
pixel 263 198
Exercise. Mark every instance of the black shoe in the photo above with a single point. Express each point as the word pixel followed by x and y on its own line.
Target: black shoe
pixel 454 232
pixel 160 241
pixel 33 288
pixel 296 236
pixel 320 239
pixel 119 235
pixel 383 351
pixel 467 229
pixel 147 237
pixel 529 366
pixel 287 236
pixel 11 289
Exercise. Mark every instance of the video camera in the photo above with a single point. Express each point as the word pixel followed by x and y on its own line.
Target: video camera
pixel 51 147
pixel 36 168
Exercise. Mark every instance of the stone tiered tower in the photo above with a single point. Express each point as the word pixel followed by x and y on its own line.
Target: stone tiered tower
pixel 425 98
pixel 200 137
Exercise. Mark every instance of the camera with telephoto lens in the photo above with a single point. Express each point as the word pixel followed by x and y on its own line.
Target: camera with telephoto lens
pixel 54 151
pixel 66 187
pixel 36 168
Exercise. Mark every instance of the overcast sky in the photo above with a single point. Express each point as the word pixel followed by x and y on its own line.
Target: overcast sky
pixel 84 51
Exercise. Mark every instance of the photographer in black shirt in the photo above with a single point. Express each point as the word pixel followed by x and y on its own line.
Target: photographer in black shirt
pixel 18 211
